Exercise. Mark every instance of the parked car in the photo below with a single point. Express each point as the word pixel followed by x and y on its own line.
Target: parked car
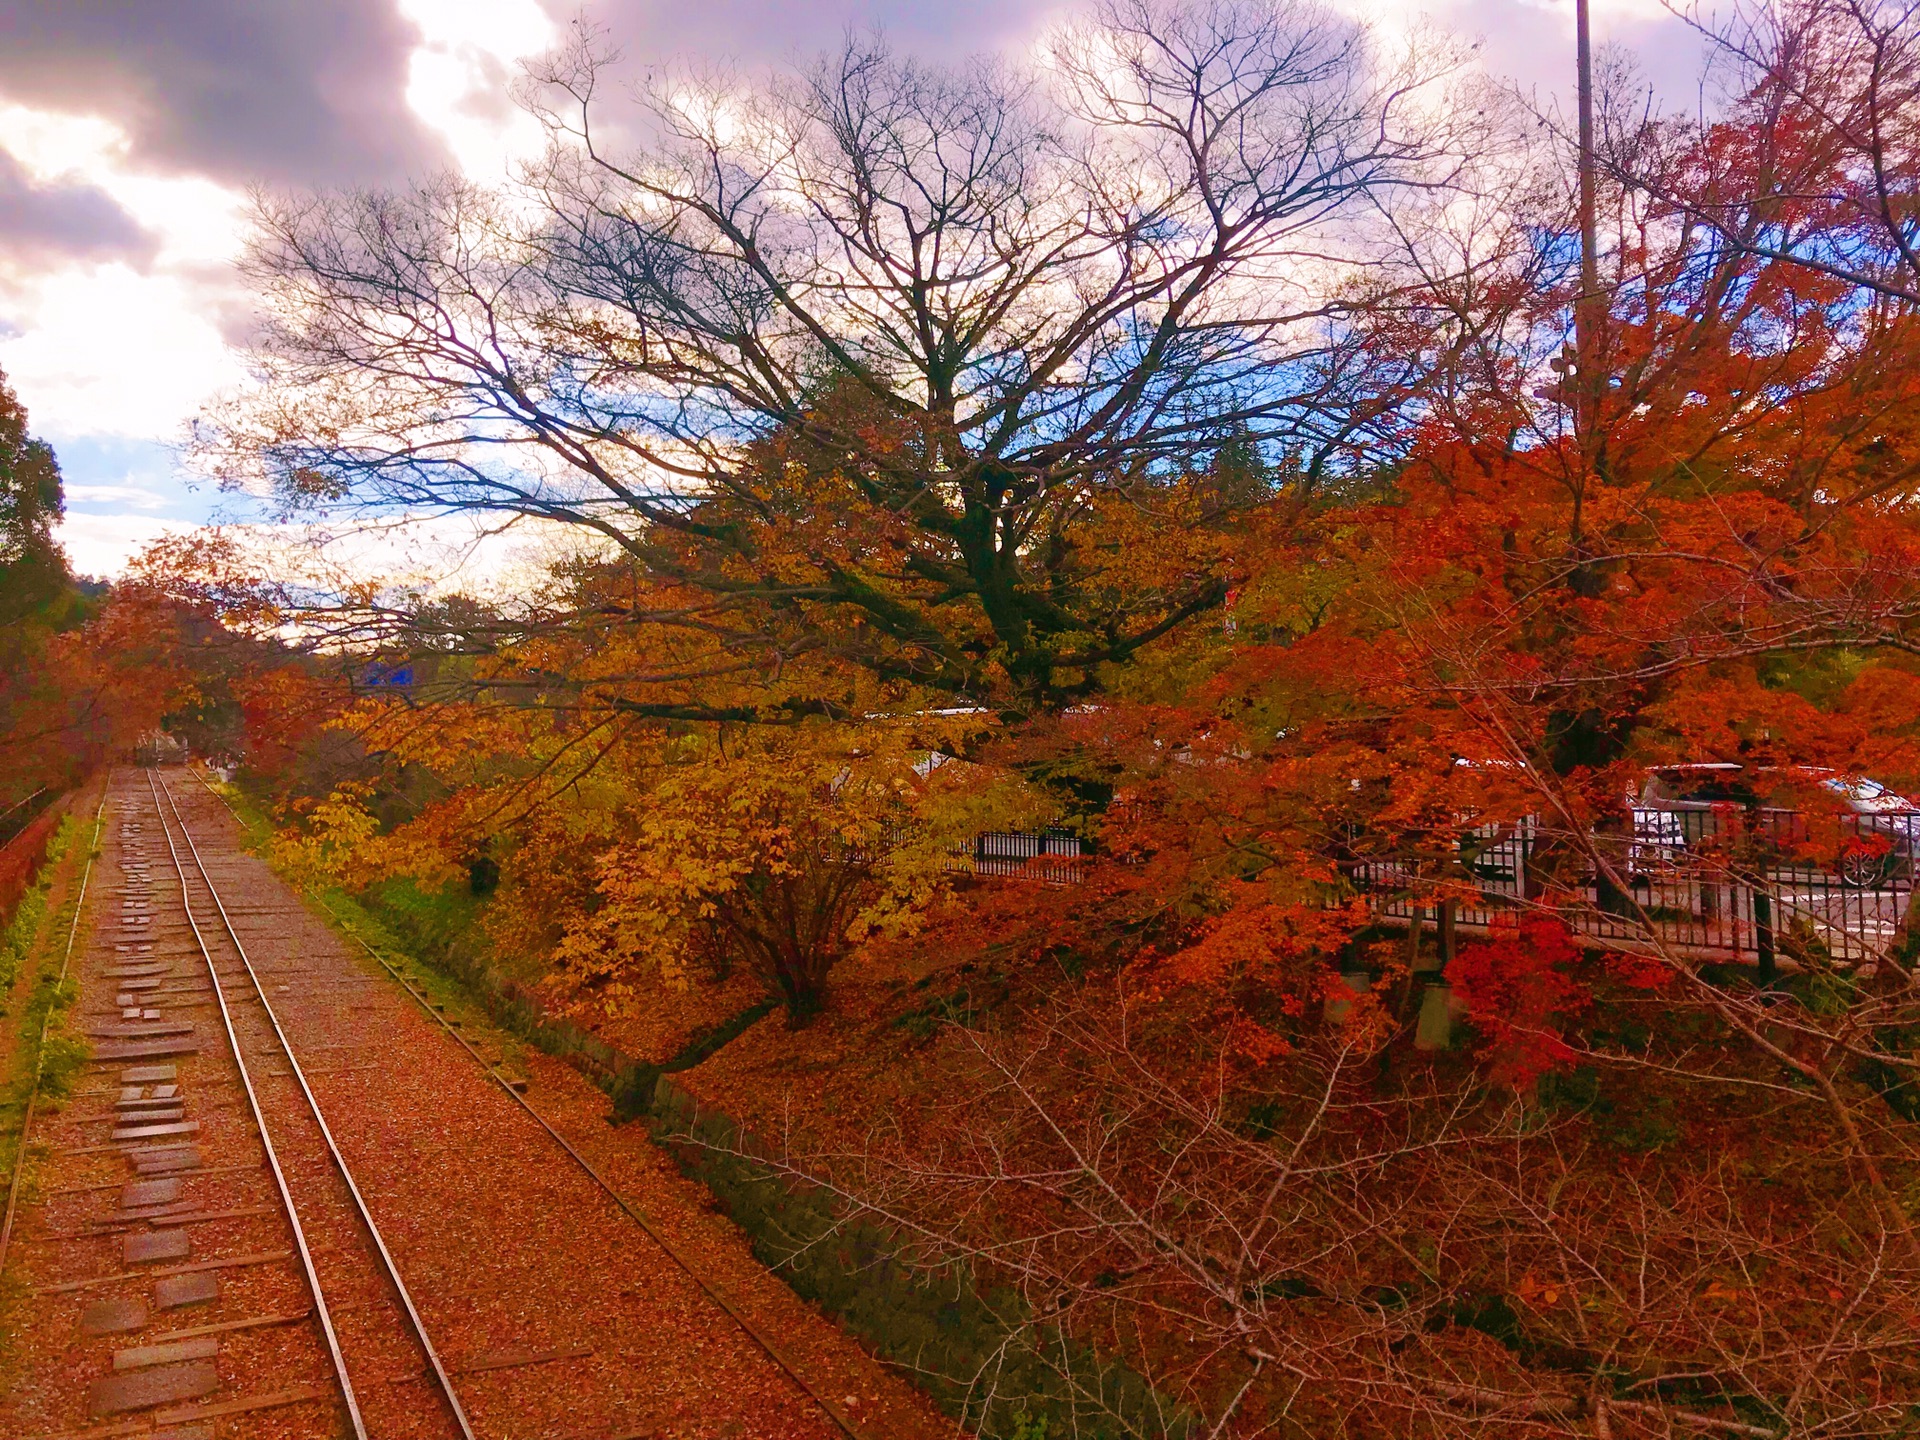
pixel 1680 807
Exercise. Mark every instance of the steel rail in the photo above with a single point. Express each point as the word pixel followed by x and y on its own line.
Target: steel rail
pixel 387 1261
pixel 46 1023
pixel 754 1332
pixel 321 1310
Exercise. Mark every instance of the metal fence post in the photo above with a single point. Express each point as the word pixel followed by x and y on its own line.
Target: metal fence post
pixel 1763 934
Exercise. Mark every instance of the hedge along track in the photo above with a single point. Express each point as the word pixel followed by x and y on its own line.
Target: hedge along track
pixel 845 1423
pixel 46 1025
pixel 390 1271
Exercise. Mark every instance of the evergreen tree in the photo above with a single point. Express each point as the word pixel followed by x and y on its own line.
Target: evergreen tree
pixel 33 568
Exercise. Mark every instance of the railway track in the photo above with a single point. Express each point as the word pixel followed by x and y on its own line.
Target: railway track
pixel 302 1127
pixel 843 1423
pixel 302 1158
pixel 326 1323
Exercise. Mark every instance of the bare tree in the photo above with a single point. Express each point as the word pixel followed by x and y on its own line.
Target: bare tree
pixel 875 342
pixel 1343 1247
pixel 1829 94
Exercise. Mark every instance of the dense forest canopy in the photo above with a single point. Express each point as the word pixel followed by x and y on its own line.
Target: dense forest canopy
pixel 58 717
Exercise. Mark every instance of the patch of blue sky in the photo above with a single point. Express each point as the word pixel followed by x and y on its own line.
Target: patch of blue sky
pixel 123 494
pixel 111 475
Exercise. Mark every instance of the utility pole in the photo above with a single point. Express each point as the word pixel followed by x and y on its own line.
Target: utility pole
pixel 1581 390
pixel 1587 388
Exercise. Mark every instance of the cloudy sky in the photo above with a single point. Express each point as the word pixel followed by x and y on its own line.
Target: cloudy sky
pixel 131 131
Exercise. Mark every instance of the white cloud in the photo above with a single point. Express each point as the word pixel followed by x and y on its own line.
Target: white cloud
pixel 440 554
pixel 104 350
pixel 53 146
pixel 455 77
pixel 103 544
pixel 432 555
pixel 107 349
pixel 136 496
pixel 437 554
pixel 195 220
pixel 114 352
pixel 1608 15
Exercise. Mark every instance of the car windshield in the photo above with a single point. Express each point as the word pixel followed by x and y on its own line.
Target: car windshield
pixel 1862 791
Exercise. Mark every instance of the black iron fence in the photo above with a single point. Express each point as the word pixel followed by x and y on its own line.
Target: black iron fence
pixel 1054 856
pixel 1716 881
